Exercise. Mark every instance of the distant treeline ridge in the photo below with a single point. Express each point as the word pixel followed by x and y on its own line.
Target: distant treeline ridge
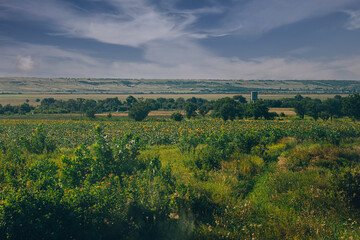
pixel 226 108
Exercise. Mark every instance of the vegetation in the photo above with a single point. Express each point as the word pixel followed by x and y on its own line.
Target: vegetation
pixel 197 178
pixel 225 108
pixel 139 111
pixel 177 117
pixel 193 179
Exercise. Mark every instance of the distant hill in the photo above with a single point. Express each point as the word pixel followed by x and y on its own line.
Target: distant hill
pixel 174 86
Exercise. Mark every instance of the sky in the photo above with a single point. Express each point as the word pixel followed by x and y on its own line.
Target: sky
pixel 181 39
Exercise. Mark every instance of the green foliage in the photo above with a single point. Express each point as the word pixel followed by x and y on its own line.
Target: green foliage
pixel 139 111
pixel 39 142
pixel 226 108
pixel 234 180
pixel 188 143
pixel 90 113
pixel 240 99
pixel 351 106
pixel 178 117
pixel 327 156
pixel 208 159
pixel 259 110
pixel 204 109
pixel 348 183
pixel 190 109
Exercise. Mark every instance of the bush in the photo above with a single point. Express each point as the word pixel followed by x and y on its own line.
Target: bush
pixel 348 182
pixel 139 111
pixel 39 142
pixel 208 159
pixel 90 113
pixel 177 117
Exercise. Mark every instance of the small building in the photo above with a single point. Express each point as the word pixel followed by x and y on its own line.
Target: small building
pixel 254 97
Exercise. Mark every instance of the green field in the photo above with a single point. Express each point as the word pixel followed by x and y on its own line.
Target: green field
pixel 195 179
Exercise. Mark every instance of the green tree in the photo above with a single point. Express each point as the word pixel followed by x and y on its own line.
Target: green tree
pixel 177 116
pixel 130 100
pixel 313 108
pixel 300 109
pixel 259 110
pixel 90 113
pixel 352 106
pixel 139 111
pixel 190 109
pixel 226 108
pixel 204 109
pixel 24 108
pixel 333 106
pixel 240 99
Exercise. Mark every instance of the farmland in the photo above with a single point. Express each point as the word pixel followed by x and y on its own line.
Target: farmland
pixel 202 178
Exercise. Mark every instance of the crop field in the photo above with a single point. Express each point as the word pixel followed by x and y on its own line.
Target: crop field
pixel 195 179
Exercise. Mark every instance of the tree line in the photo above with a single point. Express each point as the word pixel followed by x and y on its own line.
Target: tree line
pixel 226 108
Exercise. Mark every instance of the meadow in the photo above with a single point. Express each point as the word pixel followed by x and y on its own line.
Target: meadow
pixel 195 179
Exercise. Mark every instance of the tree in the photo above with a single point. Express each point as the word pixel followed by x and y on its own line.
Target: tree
pixel 90 113
pixel 226 108
pixel 300 109
pixel 298 98
pixel 324 115
pixel 352 106
pixel 204 109
pixel 89 104
pixel 190 109
pixel 240 99
pixel 333 106
pixel 259 110
pixel 24 108
pixel 139 111
pixel 180 103
pixel 313 108
pixel 177 116
pixel 46 102
pixel 130 100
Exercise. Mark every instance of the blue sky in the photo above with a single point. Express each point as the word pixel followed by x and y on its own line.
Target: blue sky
pixel 217 39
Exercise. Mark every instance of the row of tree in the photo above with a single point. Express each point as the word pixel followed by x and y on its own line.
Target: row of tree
pixel 237 107
pixel 225 108
pixel 329 108
pixel 21 109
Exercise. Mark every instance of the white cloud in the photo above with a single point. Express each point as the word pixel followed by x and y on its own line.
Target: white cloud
pixel 260 16
pixel 354 21
pixel 54 62
pixel 134 23
pixel 170 47
pixel 50 60
pixel 25 64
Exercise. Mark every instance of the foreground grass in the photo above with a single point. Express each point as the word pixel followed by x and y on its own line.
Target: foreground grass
pixel 234 184
pixel 257 200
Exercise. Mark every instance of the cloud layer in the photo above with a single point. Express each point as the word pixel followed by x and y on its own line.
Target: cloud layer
pixel 168 37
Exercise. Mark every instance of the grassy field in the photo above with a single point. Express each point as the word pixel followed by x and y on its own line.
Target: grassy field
pixel 196 179
pixel 164 86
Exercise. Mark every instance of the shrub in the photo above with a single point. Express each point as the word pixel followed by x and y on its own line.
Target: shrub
pixel 39 142
pixel 177 117
pixel 208 159
pixel 139 111
pixel 90 113
pixel 348 182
